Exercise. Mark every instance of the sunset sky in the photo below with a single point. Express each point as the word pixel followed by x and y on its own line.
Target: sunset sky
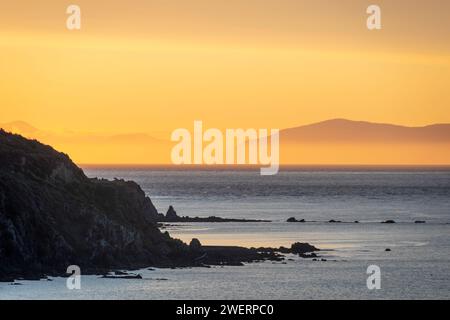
pixel 154 66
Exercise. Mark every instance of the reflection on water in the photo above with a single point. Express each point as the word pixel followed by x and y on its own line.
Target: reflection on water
pixel 418 265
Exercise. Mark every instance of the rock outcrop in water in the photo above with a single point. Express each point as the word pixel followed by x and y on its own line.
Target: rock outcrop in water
pixel 300 248
pixel 172 216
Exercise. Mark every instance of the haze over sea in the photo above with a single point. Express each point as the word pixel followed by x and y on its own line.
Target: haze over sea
pixel 417 267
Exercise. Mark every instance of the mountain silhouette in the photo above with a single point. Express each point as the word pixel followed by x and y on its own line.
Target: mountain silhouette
pixel 341 141
pixel 347 131
pixel 19 126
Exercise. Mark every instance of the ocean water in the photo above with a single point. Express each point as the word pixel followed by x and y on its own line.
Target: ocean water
pixel 417 267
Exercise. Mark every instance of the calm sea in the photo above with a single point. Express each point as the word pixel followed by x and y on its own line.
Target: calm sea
pixel 418 265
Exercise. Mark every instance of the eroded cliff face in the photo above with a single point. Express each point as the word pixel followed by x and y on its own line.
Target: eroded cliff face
pixel 53 216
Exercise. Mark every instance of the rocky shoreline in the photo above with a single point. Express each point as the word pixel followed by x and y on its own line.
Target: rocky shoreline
pixel 200 256
pixel 53 216
pixel 390 221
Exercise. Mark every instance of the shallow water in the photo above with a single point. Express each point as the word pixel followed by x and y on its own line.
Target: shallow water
pixel 418 266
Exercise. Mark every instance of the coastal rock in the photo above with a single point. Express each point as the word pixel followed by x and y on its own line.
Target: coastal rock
pixel 292 219
pixel 195 245
pixel 301 248
pixel 282 249
pixel 235 256
pixel 53 216
pixel 171 214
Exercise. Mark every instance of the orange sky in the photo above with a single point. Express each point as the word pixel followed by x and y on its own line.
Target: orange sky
pixel 154 66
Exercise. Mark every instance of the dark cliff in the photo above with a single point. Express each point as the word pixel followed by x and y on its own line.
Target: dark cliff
pixel 53 216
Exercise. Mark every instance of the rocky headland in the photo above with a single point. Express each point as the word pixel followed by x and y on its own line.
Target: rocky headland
pixel 52 216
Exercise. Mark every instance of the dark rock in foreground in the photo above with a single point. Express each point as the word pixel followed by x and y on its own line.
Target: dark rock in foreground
pixel 172 216
pixel 53 216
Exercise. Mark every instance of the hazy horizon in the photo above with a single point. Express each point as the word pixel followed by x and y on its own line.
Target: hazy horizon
pixel 334 142
pixel 113 91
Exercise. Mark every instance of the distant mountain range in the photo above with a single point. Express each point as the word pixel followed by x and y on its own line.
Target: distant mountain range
pixel 347 131
pixel 341 141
